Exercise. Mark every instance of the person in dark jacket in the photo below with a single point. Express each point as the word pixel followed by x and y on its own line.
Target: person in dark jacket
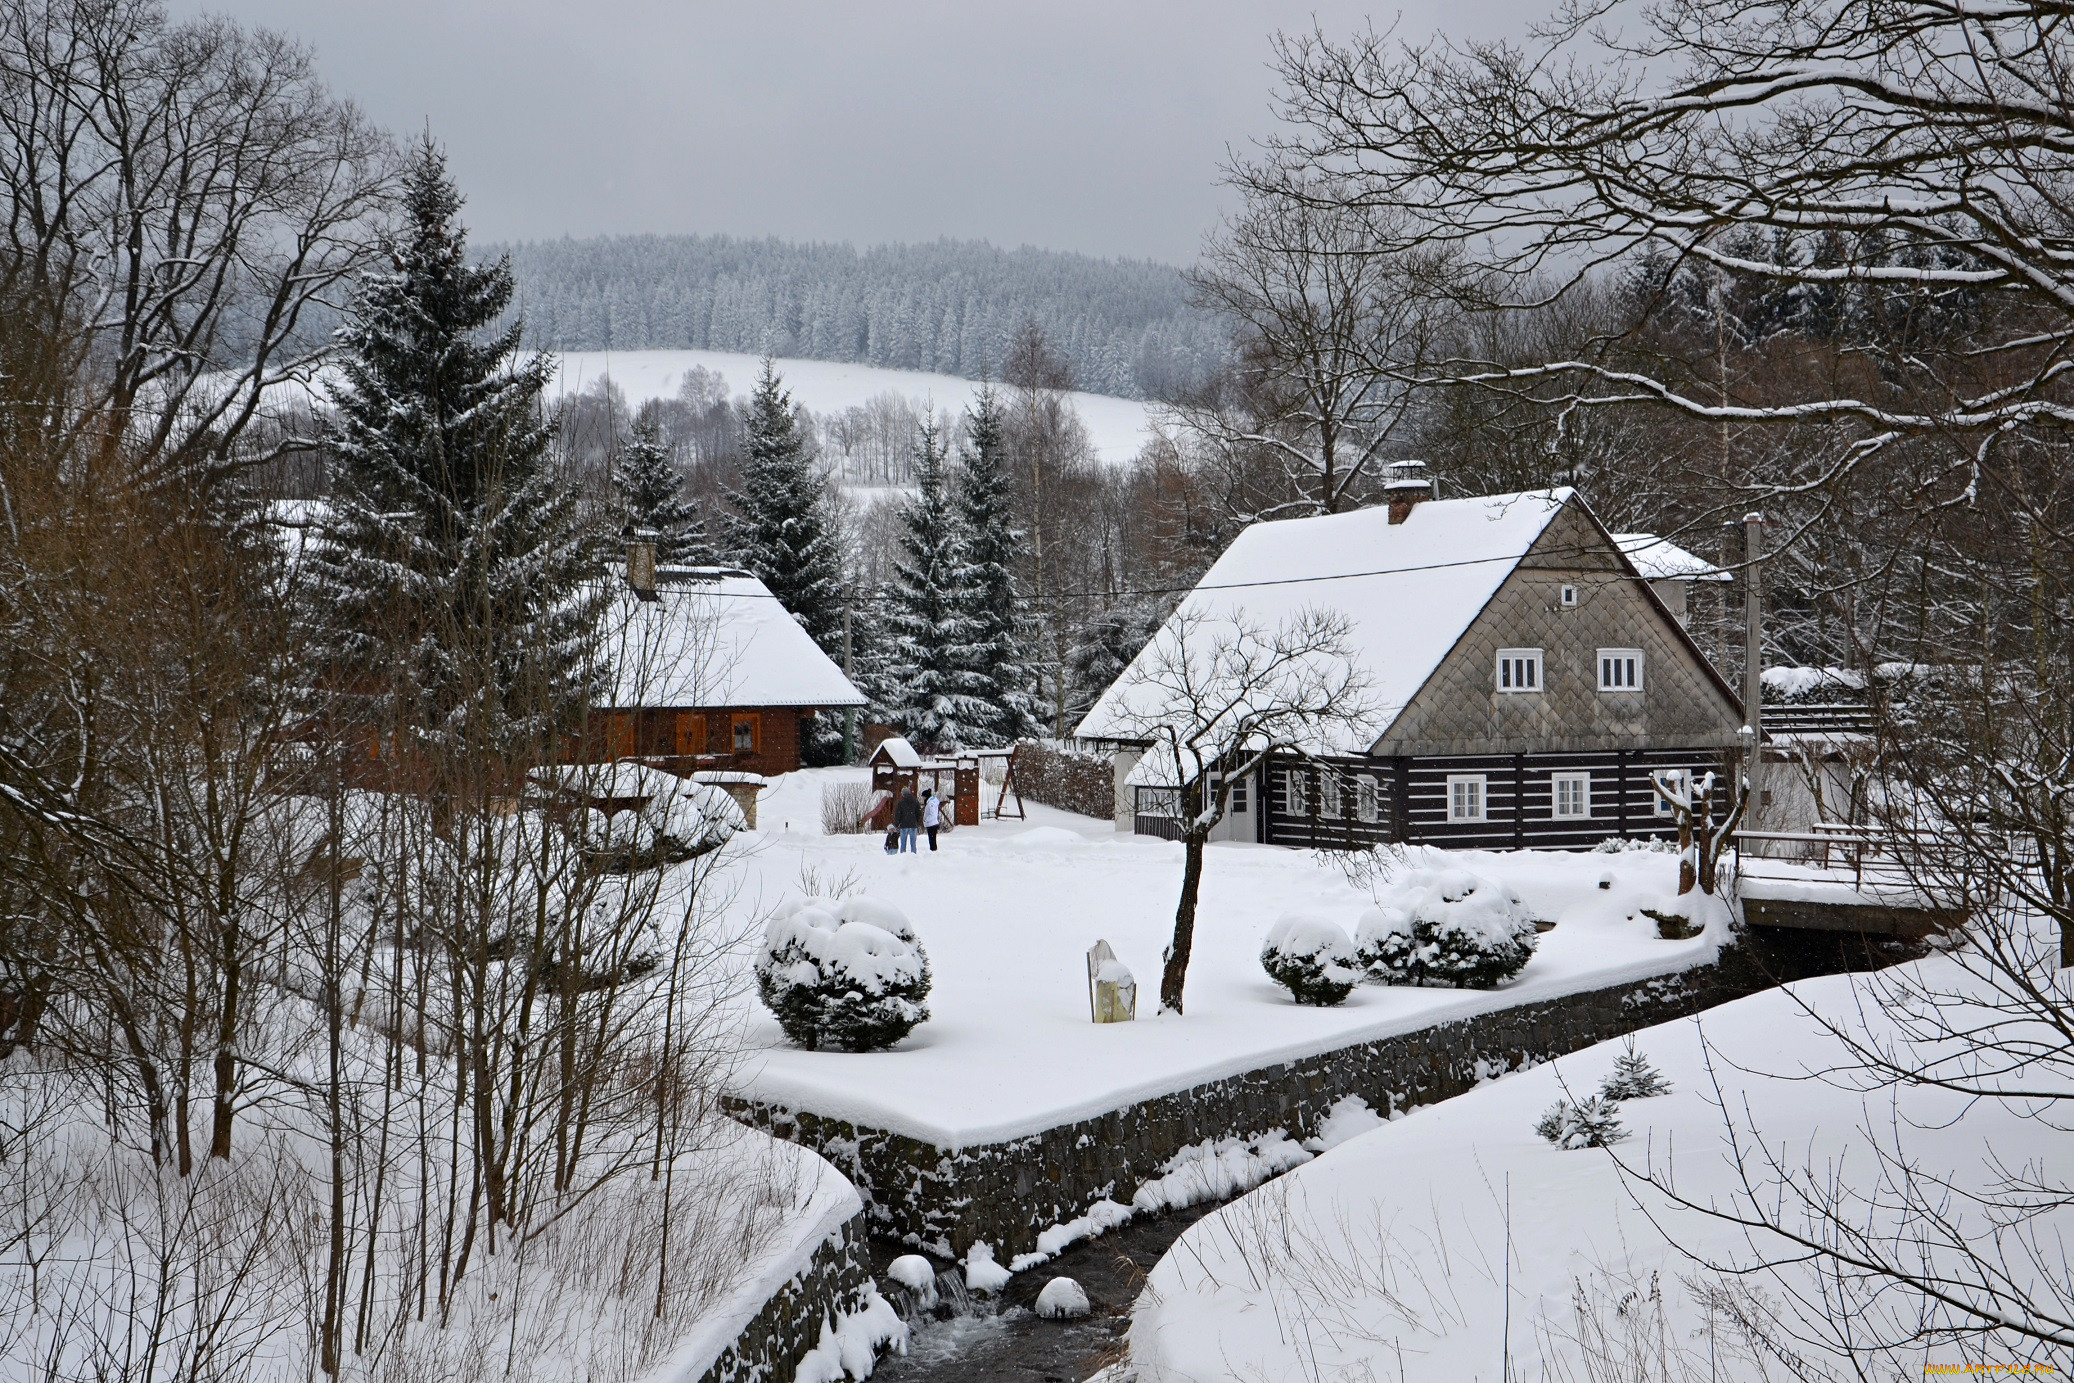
pixel 907 815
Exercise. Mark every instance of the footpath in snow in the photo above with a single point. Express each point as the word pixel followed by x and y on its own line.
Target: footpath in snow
pixel 1007 911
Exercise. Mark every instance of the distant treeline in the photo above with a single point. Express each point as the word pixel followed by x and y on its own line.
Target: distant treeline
pixel 950 306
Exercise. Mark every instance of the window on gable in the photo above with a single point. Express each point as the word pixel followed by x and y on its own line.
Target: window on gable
pixel 1620 669
pixel 1368 799
pixel 1569 597
pixel 1571 795
pixel 1465 796
pixel 1519 669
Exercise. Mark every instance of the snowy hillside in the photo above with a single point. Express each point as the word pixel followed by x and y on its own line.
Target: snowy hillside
pixel 1116 426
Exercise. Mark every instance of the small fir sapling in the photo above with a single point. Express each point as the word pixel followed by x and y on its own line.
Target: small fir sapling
pixel 1591 1123
pixel 1446 927
pixel 852 976
pixel 1311 958
pixel 1633 1078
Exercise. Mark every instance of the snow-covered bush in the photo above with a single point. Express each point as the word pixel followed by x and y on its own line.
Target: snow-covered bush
pixel 1446 927
pixel 678 820
pixel 1592 1123
pixel 1633 1078
pixel 849 974
pixel 1312 958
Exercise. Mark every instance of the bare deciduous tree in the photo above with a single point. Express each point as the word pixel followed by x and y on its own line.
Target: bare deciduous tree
pixel 1222 695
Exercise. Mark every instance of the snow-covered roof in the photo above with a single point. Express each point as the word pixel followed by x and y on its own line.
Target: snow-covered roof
pixel 715 637
pixel 1659 559
pixel 1795 683
pixel 898 751
pixel 1409 590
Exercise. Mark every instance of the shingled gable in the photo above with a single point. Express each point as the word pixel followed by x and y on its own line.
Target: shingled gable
pixel 1458 709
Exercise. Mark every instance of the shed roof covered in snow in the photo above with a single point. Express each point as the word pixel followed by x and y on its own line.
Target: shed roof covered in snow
pixel 1410 593
pixel 1659 559
pixel 716 637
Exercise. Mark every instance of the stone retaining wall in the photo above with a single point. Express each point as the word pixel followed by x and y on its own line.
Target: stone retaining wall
pixel 944 1199
pixel 836 1281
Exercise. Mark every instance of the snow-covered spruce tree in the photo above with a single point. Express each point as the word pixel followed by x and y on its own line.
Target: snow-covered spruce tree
pixel 449 592
pixel 1633 1078
pixel 652 493
pixel 782 528
pixel 929 689
pixel 1593 1123
pixel 985 582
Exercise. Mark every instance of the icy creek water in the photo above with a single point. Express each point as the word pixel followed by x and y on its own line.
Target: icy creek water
pixel 1002 1338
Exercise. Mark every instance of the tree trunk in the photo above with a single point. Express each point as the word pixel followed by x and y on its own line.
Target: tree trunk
pixel 1176 973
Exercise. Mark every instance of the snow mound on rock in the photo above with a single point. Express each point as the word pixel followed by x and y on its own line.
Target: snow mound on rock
pixel 982 1273
pixel 1062 1299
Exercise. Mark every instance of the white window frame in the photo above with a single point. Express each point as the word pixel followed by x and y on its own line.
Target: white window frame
pixel 1512 659
pixel 1671 778
pixel 1619 661
pixel 1479 791
pixel 1296 784
pixel 1569 597
pixel 1368 799
pixel 1581 784
pixel 1332 802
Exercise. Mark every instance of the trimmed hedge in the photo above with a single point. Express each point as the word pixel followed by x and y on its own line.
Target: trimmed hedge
pixel 1083 783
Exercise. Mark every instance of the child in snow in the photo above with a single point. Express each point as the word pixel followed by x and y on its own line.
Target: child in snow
pixel 907 815
pixel 932 815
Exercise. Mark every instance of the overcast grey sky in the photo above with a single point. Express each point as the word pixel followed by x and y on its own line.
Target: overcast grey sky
pixel 1091 125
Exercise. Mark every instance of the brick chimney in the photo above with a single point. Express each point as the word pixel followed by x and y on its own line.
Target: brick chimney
pixel 1409 482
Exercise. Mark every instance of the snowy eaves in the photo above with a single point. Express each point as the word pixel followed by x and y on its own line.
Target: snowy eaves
pixel 1658 559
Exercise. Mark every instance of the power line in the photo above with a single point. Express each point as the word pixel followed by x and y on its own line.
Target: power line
pixel 1222 585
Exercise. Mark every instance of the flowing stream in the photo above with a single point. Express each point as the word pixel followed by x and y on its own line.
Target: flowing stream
pixel 973 1338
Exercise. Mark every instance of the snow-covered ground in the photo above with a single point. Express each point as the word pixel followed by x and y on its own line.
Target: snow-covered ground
pixel 1007 911
pixel 1117 427
pixel 1453 1243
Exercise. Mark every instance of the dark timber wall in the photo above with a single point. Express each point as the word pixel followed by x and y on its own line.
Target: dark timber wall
pixel 945 1199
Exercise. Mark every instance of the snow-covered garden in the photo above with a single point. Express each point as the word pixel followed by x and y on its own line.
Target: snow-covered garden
pixel 1007 911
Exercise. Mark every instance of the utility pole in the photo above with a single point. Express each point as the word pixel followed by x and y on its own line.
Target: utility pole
pixel 849 671
pixel 1753 650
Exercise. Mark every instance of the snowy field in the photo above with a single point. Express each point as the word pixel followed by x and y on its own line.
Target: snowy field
pixel 1117 427
pixel 1454 1243
pixel 1007 911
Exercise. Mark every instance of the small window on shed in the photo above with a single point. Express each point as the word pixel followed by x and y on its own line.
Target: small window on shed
pixel 1465 796
pixel 1519 670
pixel 1620 669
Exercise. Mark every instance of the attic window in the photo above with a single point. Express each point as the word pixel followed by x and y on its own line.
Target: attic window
pixel 1519 670
pixel 1620 669
pixel 1569 597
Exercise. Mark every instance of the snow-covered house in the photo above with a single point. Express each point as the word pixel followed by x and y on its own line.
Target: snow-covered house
pixel 1528 681
pixel 707 672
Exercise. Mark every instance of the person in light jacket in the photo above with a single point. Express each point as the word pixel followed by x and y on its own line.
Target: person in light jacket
pixel 932 816
pixel 907 815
